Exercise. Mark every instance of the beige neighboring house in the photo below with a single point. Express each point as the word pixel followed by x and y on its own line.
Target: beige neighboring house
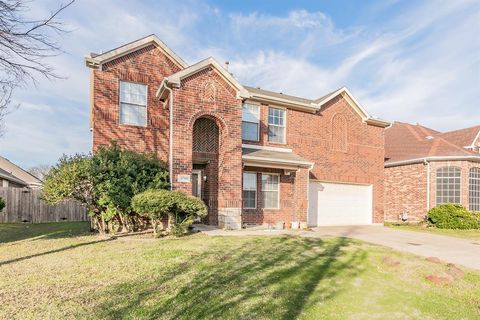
pixel 12 175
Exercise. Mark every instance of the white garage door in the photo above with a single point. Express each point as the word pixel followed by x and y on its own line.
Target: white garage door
pixel 339 204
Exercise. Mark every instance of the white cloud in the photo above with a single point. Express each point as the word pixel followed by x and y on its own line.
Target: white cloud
pixel 422 65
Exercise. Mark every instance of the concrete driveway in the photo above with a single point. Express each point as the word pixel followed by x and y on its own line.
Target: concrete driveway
pixel 455 250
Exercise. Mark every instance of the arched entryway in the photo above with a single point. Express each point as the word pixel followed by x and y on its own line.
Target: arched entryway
pixel 205 150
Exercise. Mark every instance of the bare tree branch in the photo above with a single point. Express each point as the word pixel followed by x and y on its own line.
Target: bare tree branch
pixel 24 45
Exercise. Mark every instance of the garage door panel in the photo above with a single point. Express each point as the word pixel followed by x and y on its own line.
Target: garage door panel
pixel 339 204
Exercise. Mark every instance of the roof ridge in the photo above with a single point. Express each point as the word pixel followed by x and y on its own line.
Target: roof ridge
pixel 415 134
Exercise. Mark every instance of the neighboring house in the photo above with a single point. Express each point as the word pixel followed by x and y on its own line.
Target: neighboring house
pixel 12 175
pixel 254 156
pixel 424 168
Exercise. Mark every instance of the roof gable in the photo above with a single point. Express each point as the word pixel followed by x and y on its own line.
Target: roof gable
pixel 356 106
pixel 96 60
pixel 177 78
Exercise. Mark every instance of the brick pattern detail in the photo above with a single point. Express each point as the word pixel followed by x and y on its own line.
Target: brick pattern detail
pixel 205 135
pixel 406 188
pixel 339 132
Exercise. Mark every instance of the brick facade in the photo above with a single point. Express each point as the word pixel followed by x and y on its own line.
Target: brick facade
pixel 406 188
pixel 343 147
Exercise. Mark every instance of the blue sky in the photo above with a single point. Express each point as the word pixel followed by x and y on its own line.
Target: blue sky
pixel 412 61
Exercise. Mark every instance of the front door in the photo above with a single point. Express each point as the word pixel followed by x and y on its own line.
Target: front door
pixel 197 183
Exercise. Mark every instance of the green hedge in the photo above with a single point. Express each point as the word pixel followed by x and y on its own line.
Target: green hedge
pixel 453 216
pixel 179 208
pixel 2 204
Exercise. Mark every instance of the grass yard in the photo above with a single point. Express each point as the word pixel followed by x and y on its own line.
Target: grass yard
pixel 59 271
pixel 466 234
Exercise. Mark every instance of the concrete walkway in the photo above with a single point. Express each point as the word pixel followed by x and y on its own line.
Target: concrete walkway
pixel 449 249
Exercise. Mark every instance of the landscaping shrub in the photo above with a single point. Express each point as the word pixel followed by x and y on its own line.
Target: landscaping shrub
pixel 2 204
pixel 106 183
pixel 453 216
pixel 179 208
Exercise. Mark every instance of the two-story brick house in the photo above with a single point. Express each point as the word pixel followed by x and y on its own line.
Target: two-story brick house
pixel 254 156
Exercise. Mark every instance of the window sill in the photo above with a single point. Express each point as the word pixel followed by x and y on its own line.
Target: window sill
pixel 133 125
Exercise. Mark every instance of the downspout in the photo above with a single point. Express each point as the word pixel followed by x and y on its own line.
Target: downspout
pixel 428 184
pixel 170 141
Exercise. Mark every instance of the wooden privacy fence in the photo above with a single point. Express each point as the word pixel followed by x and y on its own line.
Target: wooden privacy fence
pixel 25 205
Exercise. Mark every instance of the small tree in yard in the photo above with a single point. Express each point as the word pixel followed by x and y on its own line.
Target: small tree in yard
pixel 2 204
pixel 180 209
pixel 106 183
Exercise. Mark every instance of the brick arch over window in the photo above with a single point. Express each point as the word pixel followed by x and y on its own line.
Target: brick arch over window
pixel 448 185
pixel 474 189
pixel 205 135
pixel 339 132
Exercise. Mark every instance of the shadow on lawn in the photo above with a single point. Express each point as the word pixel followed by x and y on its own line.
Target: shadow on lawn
pixel 11 232
pixel 276 279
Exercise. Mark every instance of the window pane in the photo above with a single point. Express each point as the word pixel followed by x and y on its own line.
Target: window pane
pixel 251 113
pixel 270 190
pixel 133 114
pixel 249 198
pixel 133 93
pixel 250 131
pixel 270 199
pixel 276 116
pixel 474 189
pixel 249 181
pixel 276 134
pixel 448 185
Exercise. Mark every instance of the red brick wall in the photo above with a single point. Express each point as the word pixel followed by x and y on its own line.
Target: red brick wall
pixel 406 188
pixel 310 135
pixel 148 66
pixel 192 102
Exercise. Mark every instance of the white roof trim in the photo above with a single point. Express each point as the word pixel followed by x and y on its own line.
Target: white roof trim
pixel 436 158
pixel 366 117
pixel 257 147
pixel 176 78
pixel 274 160
pixel 312 107
pixel 97 61
pixel 475 139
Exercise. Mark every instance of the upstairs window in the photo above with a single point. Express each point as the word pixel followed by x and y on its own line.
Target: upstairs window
pixel 250 122
pixel 249 190
pixel 133 103
pixel 448 185
pixel 474 189
pixel 271 191
pixel 276 125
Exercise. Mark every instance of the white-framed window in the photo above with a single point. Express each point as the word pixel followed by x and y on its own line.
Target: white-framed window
pixel 249 190
pixel 133 103
pixel 250 122
pixel 474 189
pixel 271 190
pixel 448 185
pixel 276 125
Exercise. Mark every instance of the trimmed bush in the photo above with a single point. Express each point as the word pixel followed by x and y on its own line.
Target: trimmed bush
pixel 179 208
pixel 2 204
pixel 453 216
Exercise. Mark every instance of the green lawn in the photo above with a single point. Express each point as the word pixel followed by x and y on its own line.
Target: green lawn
pixel 466 234
pixel 59 271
